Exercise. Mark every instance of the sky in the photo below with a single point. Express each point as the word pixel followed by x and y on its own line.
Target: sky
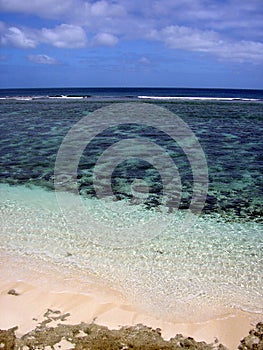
pixel 126 43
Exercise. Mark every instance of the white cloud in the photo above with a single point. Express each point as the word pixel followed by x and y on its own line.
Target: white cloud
pixel 65 36
pixel 42 59
pixel 16 37
pixel 103 8
pixel 242 51
pixel 187 38
pixel 62 36
pixel 105 39
pixel 191 39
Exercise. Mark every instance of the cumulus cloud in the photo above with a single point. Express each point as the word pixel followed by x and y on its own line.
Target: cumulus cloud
pixel 186 38
pixel 65 36
pixel 105 39
pixel 42 59
pixel 62 36
pixel 104 8
pixel 191 39
pixel 242 51
pixel 14 36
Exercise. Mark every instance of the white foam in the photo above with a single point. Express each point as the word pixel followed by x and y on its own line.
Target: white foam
pixel 197 98
pixel 67 97
pixel 30 98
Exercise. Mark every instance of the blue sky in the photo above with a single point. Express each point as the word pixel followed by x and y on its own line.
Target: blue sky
pixel 170 43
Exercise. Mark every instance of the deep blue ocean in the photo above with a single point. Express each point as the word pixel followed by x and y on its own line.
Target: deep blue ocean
pixel 134 92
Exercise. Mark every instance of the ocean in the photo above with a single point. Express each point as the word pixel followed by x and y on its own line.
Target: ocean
pixel 157 191
pixel 127 93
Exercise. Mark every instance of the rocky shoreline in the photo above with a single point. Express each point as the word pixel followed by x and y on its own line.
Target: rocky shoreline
pixel 51 334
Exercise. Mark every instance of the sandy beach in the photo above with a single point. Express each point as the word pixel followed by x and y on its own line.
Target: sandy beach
pixel 98 304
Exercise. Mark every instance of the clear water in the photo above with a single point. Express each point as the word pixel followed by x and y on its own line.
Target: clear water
pixel 178 276
pixel 183 275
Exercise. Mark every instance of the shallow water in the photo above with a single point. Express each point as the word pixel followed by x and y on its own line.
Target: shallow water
pixel 175 275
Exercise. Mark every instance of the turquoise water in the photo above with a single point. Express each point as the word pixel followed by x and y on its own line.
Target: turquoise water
pixel 185 274
pixel 178 276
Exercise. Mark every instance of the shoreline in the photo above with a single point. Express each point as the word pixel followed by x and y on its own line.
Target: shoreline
pixel 99 304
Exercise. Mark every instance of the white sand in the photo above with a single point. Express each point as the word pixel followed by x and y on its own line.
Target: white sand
pixel 105 306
